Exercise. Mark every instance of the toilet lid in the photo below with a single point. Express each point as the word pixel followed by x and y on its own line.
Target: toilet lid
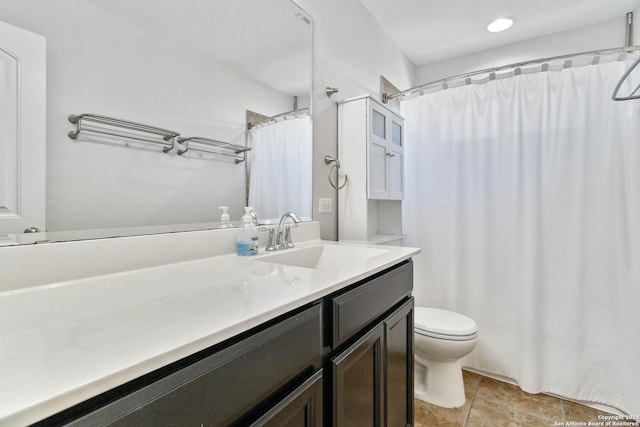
pixel 443 322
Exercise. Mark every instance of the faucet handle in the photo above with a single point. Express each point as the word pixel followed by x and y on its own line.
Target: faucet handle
pixel 271 241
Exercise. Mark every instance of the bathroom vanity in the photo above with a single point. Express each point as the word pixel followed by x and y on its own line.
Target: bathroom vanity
pixel 321 336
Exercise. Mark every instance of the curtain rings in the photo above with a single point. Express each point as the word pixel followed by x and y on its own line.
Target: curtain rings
pixel 336 165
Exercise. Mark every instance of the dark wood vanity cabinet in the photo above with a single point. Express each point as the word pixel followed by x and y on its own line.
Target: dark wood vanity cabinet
pixel 369 379
pixel 398 333
pixel 302 408
pixel 358 382
pixel 236 385
pixel 345 360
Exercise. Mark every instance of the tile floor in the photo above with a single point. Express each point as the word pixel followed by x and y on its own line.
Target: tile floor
pixel 492 403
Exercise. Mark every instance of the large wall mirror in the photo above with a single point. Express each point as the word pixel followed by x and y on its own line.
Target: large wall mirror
pixel 200 67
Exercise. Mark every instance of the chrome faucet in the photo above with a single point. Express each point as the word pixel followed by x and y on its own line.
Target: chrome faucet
pixel 254 217
pixel 281 238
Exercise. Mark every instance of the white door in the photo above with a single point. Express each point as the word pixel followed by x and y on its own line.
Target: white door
pixel 22 129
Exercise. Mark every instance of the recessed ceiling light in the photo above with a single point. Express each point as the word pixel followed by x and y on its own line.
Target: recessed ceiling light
pixel 500 24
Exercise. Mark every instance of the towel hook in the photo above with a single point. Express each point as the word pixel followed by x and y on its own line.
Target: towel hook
pixel 336 165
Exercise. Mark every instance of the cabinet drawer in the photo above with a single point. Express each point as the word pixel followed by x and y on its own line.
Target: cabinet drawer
pixel 355 309
pixel 232 386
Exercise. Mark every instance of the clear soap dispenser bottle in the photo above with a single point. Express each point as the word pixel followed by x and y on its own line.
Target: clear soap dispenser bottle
pixel 247 237
pixel 224 218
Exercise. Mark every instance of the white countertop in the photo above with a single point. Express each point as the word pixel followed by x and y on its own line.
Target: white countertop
pixel 63 343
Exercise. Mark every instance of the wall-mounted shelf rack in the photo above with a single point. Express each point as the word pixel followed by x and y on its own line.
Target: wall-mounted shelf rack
pixel 211 146
pixel 122 129
pixel 127 130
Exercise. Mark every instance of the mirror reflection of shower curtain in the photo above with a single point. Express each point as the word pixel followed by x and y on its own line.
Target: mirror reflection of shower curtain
pixel 281 159
pixel 524 195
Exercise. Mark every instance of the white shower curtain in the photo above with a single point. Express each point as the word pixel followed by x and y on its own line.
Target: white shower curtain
pixel 524 195
pixel 280 178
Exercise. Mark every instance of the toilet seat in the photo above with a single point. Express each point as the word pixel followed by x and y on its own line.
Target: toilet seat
pixel 444 324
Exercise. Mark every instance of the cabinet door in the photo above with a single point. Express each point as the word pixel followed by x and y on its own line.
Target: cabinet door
pixel 358 382
pixel 378 152
pixel 385 170
pixel 302 408
pixel 396 158
pixel 398 331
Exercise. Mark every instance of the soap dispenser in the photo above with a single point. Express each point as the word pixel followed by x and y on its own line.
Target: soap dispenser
pixel 224 218
pixel 247 237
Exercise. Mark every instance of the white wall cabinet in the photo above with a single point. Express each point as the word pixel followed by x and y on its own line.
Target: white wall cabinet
pixel 385 152
pixel 371 153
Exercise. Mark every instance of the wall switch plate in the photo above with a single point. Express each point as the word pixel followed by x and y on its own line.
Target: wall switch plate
pixel 325 205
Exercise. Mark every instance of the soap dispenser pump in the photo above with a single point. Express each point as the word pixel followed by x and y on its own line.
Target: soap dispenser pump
pixel 225 218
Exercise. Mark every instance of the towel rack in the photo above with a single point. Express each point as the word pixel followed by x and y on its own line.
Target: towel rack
pixel 128 130
pixel 113 127
pixel 336 165
pixel 238 152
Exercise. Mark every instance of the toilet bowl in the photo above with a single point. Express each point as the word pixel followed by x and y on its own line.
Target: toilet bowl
pixel 442 338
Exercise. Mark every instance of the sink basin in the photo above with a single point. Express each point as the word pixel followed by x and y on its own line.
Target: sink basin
pixel 324 257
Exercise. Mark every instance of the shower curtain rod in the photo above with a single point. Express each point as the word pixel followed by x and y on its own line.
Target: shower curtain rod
pixel 277 116
pixel 388 97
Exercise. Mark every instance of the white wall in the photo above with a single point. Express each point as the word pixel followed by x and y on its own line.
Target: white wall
pixel 351 52
pixel 100 63
pixel 605 35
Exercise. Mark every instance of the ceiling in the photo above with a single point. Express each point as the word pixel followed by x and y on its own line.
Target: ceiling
pixel 433 30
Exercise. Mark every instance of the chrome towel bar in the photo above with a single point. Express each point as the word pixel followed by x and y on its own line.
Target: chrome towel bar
pixel 133 131
pixel 110 126
pixel 220 148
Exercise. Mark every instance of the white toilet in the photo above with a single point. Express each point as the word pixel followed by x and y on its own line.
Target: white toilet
pixel 442 338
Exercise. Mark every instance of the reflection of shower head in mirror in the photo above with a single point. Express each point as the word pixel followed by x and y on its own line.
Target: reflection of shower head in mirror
pixel 331 91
